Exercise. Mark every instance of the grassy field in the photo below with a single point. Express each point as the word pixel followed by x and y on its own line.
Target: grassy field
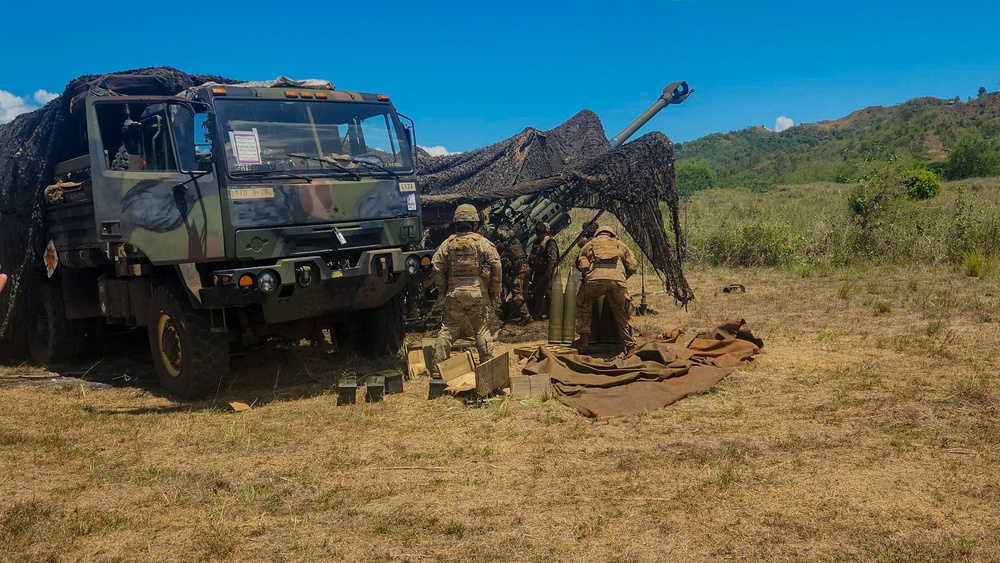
pixel 869 431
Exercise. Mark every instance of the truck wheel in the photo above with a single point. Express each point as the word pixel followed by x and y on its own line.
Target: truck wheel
pixel 54 339
pixel 380 331
pixel 190 359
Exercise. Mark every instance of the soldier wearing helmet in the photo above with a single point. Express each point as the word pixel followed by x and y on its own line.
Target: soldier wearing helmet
pixel 515 270
pixel 467 273
pixel 605 263
pixel 543 261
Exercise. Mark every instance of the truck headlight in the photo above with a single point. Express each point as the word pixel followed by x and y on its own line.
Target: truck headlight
pixel 267 281
pixel 412 264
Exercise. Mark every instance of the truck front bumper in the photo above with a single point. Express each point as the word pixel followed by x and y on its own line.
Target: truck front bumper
pixel 307 286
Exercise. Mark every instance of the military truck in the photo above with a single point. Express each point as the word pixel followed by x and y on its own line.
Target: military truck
pixel 230 214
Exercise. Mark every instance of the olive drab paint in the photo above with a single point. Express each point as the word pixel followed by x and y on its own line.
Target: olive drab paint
pixel 569 308
pixel 556 310
pixel 166 224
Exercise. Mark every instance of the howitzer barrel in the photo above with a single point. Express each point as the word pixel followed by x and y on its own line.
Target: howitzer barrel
pixel 674 93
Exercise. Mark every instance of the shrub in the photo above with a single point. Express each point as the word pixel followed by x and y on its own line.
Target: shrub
pixel 921 184
pixel 694 175
pixel 973 157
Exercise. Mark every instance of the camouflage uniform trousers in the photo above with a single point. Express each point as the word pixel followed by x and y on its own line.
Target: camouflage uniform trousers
pixel 464 310
pixel 539 293
pixel 517 290
pixel 616 295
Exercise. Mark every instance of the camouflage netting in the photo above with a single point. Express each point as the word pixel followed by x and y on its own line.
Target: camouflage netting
pixel 529 155
pixel 574 166
pixel 30 147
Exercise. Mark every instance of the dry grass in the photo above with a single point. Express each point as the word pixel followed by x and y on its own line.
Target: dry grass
pixel 869 431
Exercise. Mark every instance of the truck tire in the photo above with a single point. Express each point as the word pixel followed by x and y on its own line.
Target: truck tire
pixel 189 358
pixel 54 339
pixel 380 330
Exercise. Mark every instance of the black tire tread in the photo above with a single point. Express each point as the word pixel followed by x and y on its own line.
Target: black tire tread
pixel 206 354
pixel 66 337
pixel 381 331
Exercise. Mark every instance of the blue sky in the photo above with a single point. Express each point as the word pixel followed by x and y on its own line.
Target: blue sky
pixel 471 74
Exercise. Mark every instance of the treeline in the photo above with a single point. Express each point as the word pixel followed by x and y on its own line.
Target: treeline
pixel 949 138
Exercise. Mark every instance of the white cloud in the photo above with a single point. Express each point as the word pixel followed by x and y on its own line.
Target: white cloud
pixel 12 106
pixel 43 97
pixel 783 123
pixel 437 151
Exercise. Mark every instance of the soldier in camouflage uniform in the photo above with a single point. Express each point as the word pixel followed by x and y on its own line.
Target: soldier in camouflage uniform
pixel 515 270
pixel 468 274
pixel 543 261
pixel 606 263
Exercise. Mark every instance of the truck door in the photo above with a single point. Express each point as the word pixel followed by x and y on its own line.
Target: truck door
pixel 150 190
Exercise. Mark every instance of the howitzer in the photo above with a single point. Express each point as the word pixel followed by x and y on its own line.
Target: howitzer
pixel 545 206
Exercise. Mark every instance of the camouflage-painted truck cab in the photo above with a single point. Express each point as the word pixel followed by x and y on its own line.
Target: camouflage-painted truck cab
pixel 233 214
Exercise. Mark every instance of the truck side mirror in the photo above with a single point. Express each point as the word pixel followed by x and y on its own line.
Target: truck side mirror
pixel 193 146
pixel 203 139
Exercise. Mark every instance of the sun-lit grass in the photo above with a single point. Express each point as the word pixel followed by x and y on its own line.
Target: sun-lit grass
pixel 860 435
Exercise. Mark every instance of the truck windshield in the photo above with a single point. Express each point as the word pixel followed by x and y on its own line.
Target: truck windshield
pixel 312 137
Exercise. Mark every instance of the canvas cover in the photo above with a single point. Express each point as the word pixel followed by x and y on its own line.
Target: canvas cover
pixel 661 372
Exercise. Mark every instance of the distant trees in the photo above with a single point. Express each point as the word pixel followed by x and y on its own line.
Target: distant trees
pixel 982 92
pixel 694 175
pixel 916 131
pixel 974 156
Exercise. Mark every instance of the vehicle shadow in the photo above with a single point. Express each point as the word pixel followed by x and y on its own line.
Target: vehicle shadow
pixel 271 372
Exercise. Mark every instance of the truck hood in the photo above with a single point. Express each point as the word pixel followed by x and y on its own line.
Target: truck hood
pixel 276 204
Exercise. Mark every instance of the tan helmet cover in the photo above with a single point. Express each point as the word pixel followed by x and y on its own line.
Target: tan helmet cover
pixel 466 213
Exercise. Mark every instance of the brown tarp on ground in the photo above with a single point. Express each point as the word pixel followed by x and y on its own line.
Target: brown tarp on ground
pixel 661 372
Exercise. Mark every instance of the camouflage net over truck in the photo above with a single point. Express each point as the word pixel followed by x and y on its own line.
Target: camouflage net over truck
pixel 30 148
pixel 573 165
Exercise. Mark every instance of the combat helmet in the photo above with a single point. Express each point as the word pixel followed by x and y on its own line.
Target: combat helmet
pixel 542 228
pixel 608 230
pixel 466 213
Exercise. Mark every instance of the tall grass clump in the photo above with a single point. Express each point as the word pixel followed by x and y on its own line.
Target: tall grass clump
pixel 749 245
pixel 978 265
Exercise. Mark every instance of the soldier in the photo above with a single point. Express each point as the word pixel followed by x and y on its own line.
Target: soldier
pixel 467 273
pixel 543 262
pixel 515 270
pixel 606 263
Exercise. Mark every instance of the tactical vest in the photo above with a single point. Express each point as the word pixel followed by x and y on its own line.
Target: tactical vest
pixel 463 256
pixel 606 251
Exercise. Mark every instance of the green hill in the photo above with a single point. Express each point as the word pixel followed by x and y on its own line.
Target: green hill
pixel 922 132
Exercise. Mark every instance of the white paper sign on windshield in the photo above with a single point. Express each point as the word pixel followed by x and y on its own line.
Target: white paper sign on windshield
pixel 246 146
